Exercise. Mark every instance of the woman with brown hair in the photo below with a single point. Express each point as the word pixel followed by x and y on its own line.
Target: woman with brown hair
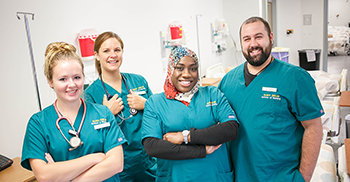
pixel 125 95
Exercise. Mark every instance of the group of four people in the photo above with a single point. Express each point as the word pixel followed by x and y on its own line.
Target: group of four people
pixel 262 123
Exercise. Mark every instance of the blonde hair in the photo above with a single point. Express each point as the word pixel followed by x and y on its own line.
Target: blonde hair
pixel 99 41
pixel 57 51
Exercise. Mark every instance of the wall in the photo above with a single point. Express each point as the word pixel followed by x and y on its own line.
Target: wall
pixel 235 12
pixel 137 22
pixel 341 8
pixel 312 35
pixel 289 15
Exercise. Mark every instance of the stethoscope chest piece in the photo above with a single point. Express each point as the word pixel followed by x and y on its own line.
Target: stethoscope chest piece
pixel 75 142
pixel 133 111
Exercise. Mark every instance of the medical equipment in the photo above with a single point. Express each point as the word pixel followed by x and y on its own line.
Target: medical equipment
pixel 198 51
pixel 86 41
pixel 174 36
pixel 281 53
pixel 175 30
pixel 75 141
pixel 31 52
pixel 132 111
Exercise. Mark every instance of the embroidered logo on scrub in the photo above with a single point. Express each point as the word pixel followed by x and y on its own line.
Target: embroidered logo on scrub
pixel 271 96
pixel 213 103
pixel 139 90
pixel 100 123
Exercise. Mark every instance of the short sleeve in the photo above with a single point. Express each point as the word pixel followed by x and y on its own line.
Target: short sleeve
pixel 34 145
pixel 224 111
pixel 306 105
pixel 151 125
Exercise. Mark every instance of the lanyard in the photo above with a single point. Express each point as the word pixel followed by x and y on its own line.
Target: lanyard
pixel 75 141
pixel 133 112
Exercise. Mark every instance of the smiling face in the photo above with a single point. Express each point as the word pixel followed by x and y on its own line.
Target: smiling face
pixel 110 55
pixel 256 43
pixel 185 75
pixel 67 80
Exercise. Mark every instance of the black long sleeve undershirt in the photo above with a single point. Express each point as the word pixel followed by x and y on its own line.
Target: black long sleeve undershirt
pixel 214 135
pixel 163 149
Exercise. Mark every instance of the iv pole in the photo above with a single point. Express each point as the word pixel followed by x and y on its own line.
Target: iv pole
pixel 31 51
pixel 200 67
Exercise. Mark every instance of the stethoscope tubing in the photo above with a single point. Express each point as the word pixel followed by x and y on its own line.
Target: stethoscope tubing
pixel 109 96
pixel 60 118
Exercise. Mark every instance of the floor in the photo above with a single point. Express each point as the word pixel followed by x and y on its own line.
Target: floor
pixel 337 63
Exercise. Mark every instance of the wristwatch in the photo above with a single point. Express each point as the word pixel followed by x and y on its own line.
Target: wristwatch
pixel 185 135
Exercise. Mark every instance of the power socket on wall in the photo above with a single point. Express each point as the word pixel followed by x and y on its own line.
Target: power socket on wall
pixel 307 19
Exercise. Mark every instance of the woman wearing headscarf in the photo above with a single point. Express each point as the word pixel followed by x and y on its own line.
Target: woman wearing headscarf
pixel 186 127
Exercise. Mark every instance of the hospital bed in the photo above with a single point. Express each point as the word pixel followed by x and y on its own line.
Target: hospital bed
pixel 331 119
pixel 338 38
pixel 325 169
pixel 329 86
pixel 215 71
pixel 342 168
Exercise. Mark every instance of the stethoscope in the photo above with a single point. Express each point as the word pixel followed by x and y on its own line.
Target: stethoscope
pixel 75 141
pixel 132 112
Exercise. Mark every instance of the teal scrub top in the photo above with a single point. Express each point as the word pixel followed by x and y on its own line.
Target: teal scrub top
pixel 42 135
pixel 135 157
pixel 208 107
pixel 270 110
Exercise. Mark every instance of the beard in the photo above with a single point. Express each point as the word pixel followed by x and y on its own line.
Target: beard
pixel 258 60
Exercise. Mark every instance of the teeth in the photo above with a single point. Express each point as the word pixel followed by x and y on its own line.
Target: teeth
pixel 186 82
pixel 71 92
pixel 114 61
pixel 255 51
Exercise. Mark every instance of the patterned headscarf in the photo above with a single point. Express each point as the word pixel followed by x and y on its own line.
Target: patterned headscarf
pixel 169 89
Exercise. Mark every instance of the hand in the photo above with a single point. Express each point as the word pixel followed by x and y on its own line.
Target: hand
pixel 49 158
pixel 135 101
pixel 174 137
pixel 115 104
pixel 211 149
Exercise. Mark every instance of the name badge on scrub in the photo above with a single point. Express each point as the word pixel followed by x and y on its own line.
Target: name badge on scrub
pixel 269 89
pixel 140 92
pixel 103 125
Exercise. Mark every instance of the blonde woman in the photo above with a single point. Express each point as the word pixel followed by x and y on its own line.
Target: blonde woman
pixel 71 140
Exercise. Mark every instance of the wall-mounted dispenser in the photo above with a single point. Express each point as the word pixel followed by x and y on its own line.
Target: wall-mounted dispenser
pixel 174 36
pixel 219 31
pixel 86 41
